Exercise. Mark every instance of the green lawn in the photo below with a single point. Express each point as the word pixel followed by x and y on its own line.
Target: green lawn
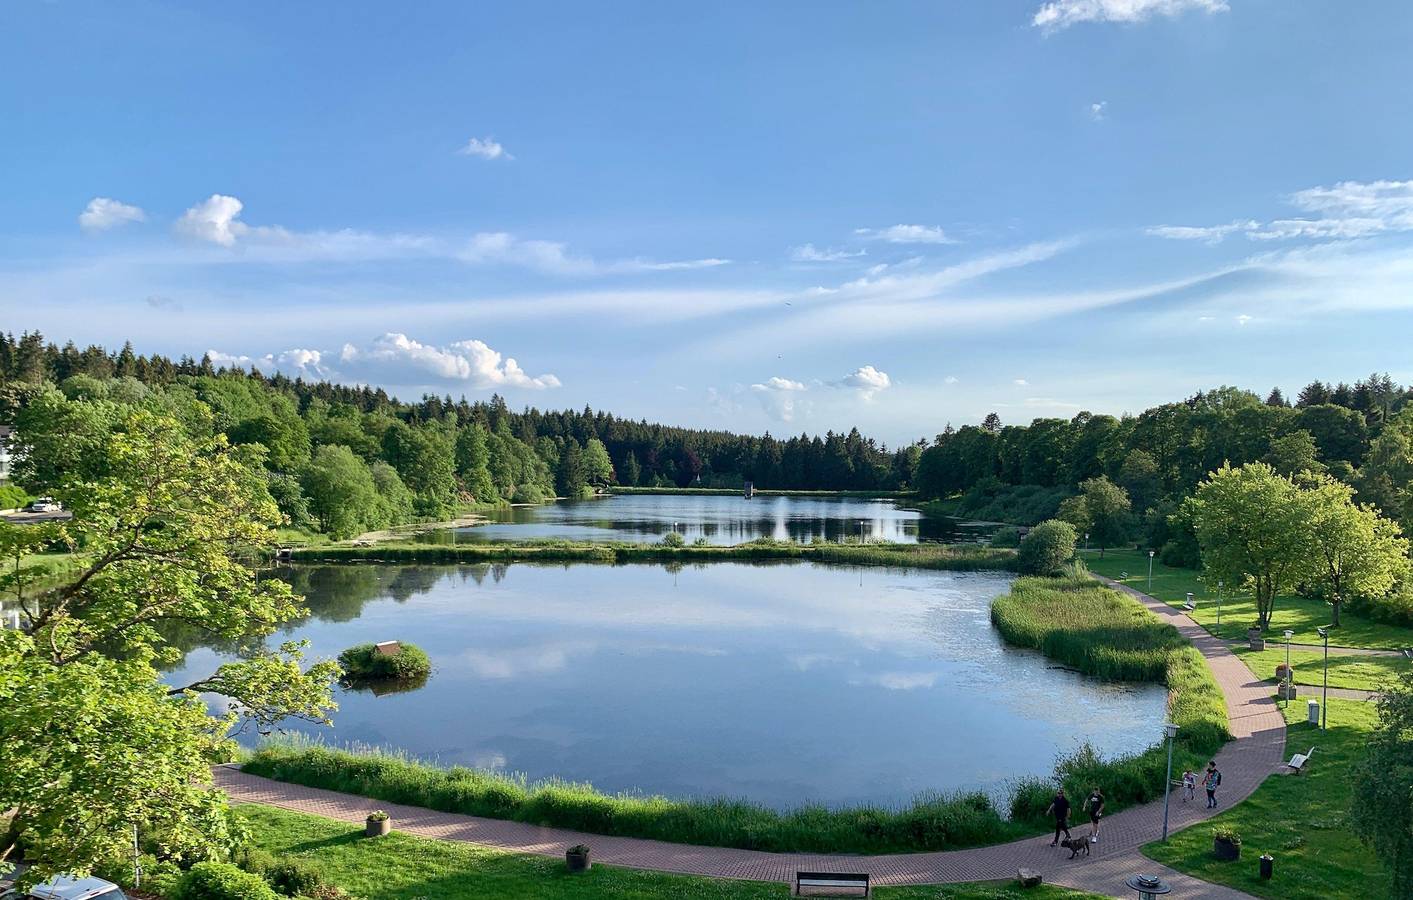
pixel 403 867
pixel 1366 673
pixel 1238 608
pixel 1300 820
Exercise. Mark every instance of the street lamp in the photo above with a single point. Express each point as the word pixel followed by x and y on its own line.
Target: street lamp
pixel 1325 695
pixel 1150 571
pixel 1289 675
pixel 1086 541
pixel 1219 604
pixel 1171 731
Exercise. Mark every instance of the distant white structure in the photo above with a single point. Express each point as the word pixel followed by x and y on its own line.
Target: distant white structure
pixel 5 432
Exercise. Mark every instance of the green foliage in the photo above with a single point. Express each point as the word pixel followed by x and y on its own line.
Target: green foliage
pixel 570 479
pixel 363 662
pixel 1046 548
pixel 1103 633
pixel 1009 536
pixel 13 496
pixel 929 822
pixel 223 881
pixel 598 468
pixel 1382 809
pixel 343 497
pixel 473 457
pixel 1294 454
pixel 294 877
pixel 673 539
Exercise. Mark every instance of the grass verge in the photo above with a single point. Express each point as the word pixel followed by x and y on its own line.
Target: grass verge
pixel 931 822
pixel 925 556
pixel 1103 633
pixel 1300 820
pixel 404 867
pixel 1365 673
pixel 1238 608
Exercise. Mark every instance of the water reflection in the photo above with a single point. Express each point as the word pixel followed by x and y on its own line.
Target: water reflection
pixel 781 682
pixel 715 519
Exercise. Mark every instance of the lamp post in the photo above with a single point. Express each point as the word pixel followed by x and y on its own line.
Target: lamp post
pixel 1150 571
pixel 1219 604
pixel 1171 731
pixel 1325 693
pixel 1086 542
pixel 1289 675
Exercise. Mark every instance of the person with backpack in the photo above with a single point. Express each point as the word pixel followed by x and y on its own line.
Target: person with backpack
pixel 1060 806
pixel 1211 781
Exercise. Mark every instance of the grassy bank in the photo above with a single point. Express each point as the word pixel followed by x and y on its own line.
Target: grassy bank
pixel 1101 632
pixel 760 492
pixel 403 867
pixel 1300 820
pixel 926 556
pixel 930 823
pixel 1299 614
pixel 1365 673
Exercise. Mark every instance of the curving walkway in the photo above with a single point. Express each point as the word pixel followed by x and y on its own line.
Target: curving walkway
pixel 1257 751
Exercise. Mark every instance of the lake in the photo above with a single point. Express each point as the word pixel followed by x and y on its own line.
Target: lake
pixel 779 682
pixel 718 519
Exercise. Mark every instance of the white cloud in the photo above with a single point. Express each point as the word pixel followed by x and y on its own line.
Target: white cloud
pixel 103 213
pixel 811 253
pixel 1097 111
pixel 950 379
pixel 1347 210
pixel 1243 319
pixel 553 257
pixel 215 219
pixel 1059 14
pixel 1020 382
pixel 906 234
pixel 472 361
pixel 778 396
pixel 297 362
pixel 485 148
pixel 867 381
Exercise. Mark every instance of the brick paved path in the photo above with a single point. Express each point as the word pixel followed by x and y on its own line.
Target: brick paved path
pixel 1256 722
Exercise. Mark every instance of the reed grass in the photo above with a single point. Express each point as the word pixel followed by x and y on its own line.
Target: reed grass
pixel 930 822
pixel 1103 633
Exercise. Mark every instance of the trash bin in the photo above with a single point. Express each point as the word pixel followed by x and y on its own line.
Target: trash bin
pixel 1267 862
pixel 1312 712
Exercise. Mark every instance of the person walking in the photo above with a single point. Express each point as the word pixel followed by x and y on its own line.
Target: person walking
pixel 1211 781
pixel 1189 785
pixel 1060 806
pixel 1094 805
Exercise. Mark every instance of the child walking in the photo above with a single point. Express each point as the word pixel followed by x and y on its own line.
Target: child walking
pixel 1189 785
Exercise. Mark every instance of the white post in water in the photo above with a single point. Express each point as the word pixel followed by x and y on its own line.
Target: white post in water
pixel 1171 731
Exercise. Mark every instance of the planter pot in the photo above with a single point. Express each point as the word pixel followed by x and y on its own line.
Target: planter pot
pixel 1282 670
pixel 1288 691
pixel 1226 850
pixel 377 827
pixel 577 862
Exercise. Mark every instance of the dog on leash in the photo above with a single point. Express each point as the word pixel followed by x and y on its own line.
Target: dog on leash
pixel 1076 846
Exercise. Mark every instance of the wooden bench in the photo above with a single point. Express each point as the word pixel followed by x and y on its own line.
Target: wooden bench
pixel 831 880
pixel 1298 761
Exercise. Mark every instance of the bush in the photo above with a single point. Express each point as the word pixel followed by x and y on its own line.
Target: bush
pixel 223 881
pixel 363 662
pixel 673 539
pixel 294 877
pixel 1047 548
pixel 1009 536
pixel 254 860
pixel 12 497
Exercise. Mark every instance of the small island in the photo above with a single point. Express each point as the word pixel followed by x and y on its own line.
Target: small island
pixel 386 661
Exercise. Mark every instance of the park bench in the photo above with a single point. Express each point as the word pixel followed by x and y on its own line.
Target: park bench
pixel 1298 761
pixel 831 880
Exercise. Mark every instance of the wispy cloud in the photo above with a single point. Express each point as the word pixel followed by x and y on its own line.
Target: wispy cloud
pixel 778 396
pixel 811 253
pixel 217 220
pixel 1346 210
pixel 485 148
pixel 1059 14
pixel 1099 111
pixel 906 234
pixel 396 356
pixel 553 257
pixel 104 213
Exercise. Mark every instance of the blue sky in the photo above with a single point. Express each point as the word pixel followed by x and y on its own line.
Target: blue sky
pixel 789 215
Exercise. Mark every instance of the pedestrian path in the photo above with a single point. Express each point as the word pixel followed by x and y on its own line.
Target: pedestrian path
pixel 1257 751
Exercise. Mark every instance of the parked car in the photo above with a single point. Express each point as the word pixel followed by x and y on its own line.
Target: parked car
pixel 44 504
pixel 62 887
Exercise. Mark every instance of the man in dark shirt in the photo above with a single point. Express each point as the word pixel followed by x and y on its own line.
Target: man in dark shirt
pixel 1060 806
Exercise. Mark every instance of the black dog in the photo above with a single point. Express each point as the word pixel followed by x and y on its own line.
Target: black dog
pixel 1076 845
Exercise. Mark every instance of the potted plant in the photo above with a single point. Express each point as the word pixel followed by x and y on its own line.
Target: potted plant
pixel 577 858
pixel 378 824
pixel 1283 670
pixel 1226 844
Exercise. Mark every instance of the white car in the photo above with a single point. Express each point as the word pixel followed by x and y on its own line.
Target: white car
pixel 44 504
pixel 62 887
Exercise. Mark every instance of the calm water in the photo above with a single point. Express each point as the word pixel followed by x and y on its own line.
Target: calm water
pixel 718 519
pixel 779 682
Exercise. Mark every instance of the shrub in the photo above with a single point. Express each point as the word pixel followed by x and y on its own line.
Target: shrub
pixel 363 662
pixel 673 539
pixel 1047 547
pixel 254 860
pixel 12 497
pixel 294 877
pixel 1009 536
pixel 223 881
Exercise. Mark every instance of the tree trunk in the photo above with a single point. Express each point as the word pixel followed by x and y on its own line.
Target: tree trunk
pixel 1334 615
